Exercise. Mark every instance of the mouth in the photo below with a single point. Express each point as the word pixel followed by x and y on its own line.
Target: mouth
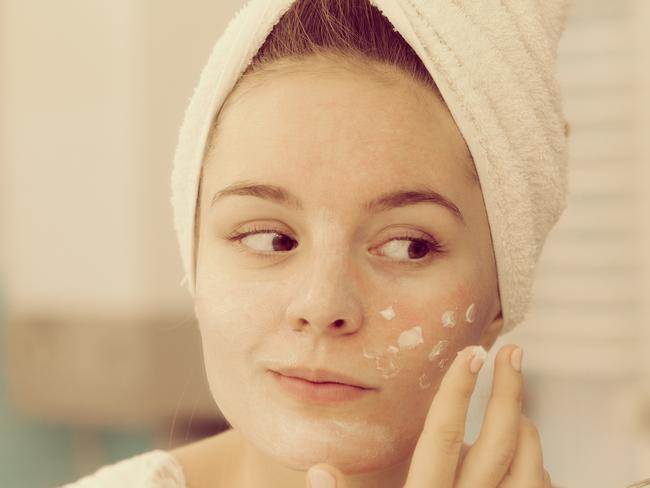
pixel 324 392
pixel 323 376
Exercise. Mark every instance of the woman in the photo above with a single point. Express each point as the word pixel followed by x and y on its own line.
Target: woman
pixel 364 223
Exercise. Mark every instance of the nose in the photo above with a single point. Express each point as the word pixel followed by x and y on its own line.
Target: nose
pixel 326 301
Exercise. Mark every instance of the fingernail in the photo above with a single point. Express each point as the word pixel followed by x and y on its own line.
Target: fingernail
pixel 479 357
pixel 319 478
pixel 515 358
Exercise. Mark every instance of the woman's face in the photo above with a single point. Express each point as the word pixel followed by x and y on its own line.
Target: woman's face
pixel 332 283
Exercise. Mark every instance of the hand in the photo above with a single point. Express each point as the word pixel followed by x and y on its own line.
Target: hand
pixel 507 453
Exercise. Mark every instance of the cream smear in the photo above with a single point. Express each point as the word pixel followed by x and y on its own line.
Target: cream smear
pixel 410 338
pixel 389 313
pixel 470 314
pixel 438 349
pixel 448 319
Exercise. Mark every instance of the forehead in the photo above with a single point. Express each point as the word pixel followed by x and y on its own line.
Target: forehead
pixel 355 127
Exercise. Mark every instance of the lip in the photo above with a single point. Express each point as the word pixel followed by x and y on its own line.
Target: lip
pixel 313 392
pixel 323 376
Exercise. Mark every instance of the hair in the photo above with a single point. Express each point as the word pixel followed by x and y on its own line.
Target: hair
pixel 352 34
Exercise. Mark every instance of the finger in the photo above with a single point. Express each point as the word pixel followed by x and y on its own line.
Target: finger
pixel 323 475
pixel 528 463
pixel 527 468
pixel 437 451
pixel 547 480
pixel 461 459
pixel 488 460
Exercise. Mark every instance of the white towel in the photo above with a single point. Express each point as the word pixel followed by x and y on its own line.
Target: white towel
pixel 494 62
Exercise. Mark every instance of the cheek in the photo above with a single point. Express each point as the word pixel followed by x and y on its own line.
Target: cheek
pixel 420 338
pixel 234 319
pixel 413 355
pixel 231 331
pixel 231 311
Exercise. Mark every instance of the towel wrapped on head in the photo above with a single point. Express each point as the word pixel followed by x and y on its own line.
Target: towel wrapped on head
pixel 494 63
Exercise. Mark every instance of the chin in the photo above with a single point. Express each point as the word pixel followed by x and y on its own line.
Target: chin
pixel 351 455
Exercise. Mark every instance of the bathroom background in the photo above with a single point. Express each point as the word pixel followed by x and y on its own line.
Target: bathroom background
pixel 100 356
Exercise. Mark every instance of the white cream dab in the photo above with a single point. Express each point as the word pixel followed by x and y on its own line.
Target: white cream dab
pixel 410 338
pixel 385 362
pixel 388 364
pixel 424 381
pixel 480 352
pixel 470 313
pixel 448 319
pixel 438 349
pixel 389 313
pixel 442 363
pixel 370 355
pixel 360 428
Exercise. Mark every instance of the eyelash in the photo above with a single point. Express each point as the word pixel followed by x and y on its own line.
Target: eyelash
pixel 434 246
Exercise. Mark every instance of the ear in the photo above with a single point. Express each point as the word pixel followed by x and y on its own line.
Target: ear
pixel 491 332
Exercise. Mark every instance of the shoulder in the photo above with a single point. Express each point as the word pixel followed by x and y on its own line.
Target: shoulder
pixel 150 469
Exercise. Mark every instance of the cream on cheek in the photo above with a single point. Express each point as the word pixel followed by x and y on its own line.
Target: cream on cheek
pixel 236 340
pixel 387 358
pixel 449 318
pixel 239 325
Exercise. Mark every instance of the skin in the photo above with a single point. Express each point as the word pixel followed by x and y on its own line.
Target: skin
pixel 335 140
pixel 508 451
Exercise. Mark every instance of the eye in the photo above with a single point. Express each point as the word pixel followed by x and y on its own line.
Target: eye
pixel 258 237
pixel 415 246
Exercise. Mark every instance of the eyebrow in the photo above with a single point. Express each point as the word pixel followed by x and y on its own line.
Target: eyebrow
pixel 387 201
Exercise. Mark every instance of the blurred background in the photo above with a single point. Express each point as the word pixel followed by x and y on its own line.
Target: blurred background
pixel 100 353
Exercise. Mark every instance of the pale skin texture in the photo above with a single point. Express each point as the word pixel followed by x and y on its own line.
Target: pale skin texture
pixel 335 140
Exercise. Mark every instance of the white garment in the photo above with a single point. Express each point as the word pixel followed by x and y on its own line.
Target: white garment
pixel 152 469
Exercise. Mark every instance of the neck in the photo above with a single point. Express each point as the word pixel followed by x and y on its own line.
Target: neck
pixel 258 469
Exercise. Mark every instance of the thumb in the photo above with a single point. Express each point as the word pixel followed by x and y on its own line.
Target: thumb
pixel 325 476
